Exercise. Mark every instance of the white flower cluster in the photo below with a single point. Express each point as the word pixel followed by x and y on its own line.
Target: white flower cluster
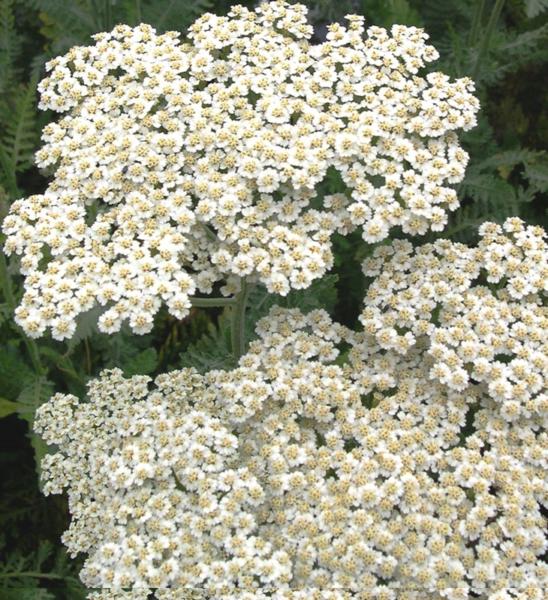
pixel 188 594
pixel 157 492
pixel 478 310
pixel 178 165
pixel 324 466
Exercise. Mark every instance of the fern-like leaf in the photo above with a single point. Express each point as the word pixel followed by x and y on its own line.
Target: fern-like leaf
pixel 510 158
pixel 526 41
pixel 213 350
pixel 484 187
pixel 533 8
pixel 20 133
pixel 509 53
pixel 175 15
pixel 142 363
pixel 14 373
pixel 22 575
pixel 67 23
pixel 440 17
pixel 33 396
pixel 484 197
pixel 537 174
pixel 322 293
pixel 10 45
pixel 535 166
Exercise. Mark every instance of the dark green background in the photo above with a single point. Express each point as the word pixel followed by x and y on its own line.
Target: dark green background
pixel 503 45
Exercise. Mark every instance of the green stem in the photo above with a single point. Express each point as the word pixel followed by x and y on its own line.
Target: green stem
pixel 493 19
pixel 108 16
pixel 237 328
pixel 211 302
pixel 34 574
pixel 138 11
pixel 7 290
pixel 476 23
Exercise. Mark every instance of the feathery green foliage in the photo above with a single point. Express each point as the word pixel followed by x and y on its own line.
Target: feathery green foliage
pixel 10 45
pixel 533 8
pixel 19 136
pixel 22 576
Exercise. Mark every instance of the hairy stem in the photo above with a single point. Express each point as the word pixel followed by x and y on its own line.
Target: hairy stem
pixel 237 329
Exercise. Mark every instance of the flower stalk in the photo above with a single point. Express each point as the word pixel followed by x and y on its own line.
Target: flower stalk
pixel 212 302
pixel 237 326
pixel 493 19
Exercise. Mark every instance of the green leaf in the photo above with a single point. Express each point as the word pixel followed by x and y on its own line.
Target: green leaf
pixel 118 349
pixel 142 364
pixel 485 187
pixel 400 11
pixel 67 23
pixel 525 41
pixel 10 45
pixel 486 197
pixel 213 350
pixel 511 52
pixel 74 380
pixel 86 326
pixel 537 174
pixel 322 293
pixel 533 8
pixel 20 135
pixel 8 174
pixel 437 17
pixel 15 374
pixel 510 158
pixel 29 592
pixel 173 14
pixel 7 407
pixel 22 576
pixel 33 396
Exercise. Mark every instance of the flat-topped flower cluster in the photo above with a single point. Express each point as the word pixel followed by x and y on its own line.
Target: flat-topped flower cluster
pixel 178 165
pixel 333 460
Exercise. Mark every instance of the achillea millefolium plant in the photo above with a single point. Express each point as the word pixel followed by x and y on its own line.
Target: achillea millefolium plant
pixel 403 459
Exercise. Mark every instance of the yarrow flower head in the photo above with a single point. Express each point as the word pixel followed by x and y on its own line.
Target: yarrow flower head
pixel 479 311
pixel 306 470
pixel 181 164
pixel 156 494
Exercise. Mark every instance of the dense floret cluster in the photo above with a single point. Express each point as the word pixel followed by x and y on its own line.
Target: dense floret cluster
pixel 479 310
pixel 322 462
pixel 187 594
pixel 181 164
